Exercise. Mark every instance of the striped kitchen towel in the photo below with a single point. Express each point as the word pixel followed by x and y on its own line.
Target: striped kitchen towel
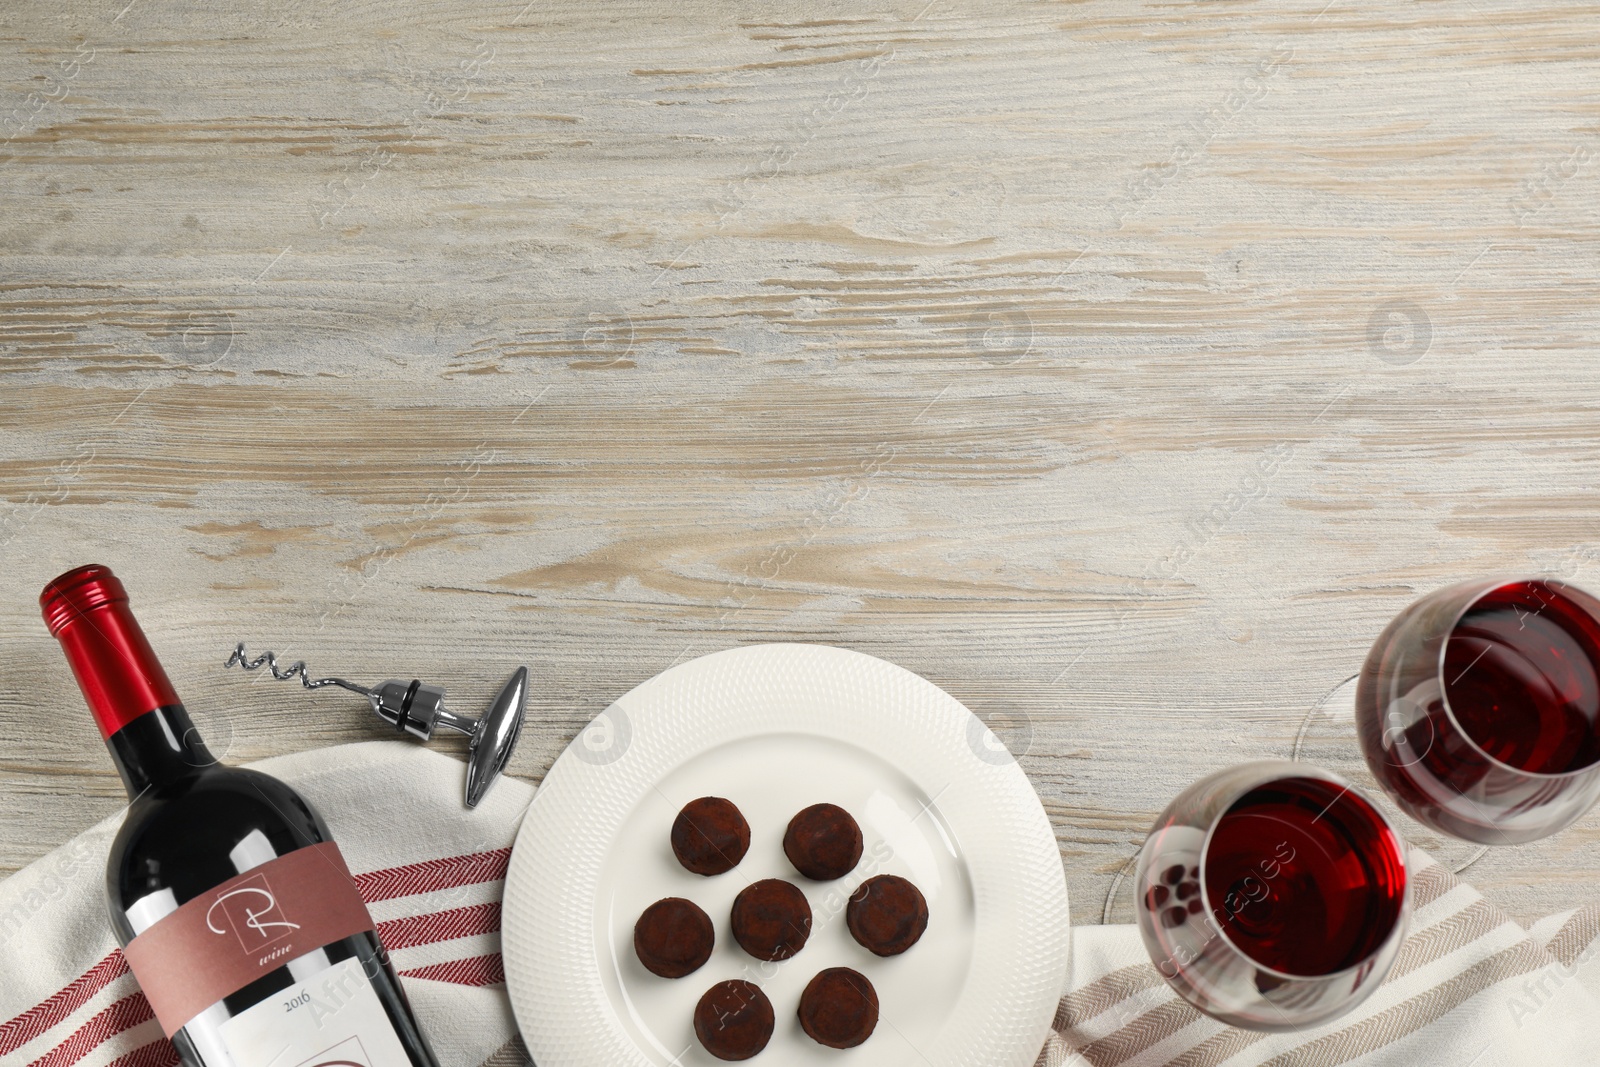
pixel 431 871
pixel 1470 988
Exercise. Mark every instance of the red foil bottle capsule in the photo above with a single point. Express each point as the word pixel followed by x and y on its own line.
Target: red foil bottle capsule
pixel 87 610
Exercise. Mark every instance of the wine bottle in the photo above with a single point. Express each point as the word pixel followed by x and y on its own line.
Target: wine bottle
pixel 234 907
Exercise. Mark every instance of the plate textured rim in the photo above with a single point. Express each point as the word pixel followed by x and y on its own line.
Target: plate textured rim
pixel 1021 937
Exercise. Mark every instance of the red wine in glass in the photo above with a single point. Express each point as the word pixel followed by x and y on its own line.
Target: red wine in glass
pixel 1273 895
pixel 1330 891
pixel 1479 709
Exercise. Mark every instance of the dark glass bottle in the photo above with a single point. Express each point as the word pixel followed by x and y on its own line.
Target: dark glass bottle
pixel 201 834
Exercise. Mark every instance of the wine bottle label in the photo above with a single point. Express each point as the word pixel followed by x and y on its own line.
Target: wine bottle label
pixel 227 937
pixel 332 1019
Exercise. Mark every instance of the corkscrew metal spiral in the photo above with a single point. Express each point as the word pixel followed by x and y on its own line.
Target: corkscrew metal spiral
pixel 418 709
pixel 269 659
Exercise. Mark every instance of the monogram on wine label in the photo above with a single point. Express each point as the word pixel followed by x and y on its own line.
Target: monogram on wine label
pixel 230 936
pixel 251 911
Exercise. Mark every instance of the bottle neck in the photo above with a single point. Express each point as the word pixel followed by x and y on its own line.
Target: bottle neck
pixel 150 736
pixel 158 749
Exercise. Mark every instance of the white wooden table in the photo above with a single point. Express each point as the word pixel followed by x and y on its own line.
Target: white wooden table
pixel 1121 368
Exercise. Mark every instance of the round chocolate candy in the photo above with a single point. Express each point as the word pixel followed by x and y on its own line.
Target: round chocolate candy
pixel 823 842
pixel 839 1008
pixel 887 915
pixel 673 937
pixel 733 1020
pixel 771 919
pixel 710 836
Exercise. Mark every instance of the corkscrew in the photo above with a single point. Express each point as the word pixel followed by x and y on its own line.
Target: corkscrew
pixel 418 710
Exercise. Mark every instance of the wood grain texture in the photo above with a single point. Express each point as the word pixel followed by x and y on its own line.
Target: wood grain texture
pixel 1120 367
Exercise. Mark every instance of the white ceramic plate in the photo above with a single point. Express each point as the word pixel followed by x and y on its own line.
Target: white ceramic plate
pixel 775 728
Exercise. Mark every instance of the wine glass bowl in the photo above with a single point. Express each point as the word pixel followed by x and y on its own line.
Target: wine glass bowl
pixel 1478 709
pixel 1272 895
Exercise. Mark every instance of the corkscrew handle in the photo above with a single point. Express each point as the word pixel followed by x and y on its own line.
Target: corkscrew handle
pixel 418 709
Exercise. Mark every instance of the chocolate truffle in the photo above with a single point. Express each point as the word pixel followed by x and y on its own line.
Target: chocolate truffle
pixel 673 937
pixel 823 842
pixel 710 836
pixel 771 919
pixel 839 1008
pixel 887 915
pixel 733 1020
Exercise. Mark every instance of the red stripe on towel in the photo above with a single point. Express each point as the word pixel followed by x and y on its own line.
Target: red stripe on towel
pixel 42 1016
pixel 416 930
pixel 478 971
pixel 125 1014
pixel 158 1053
pixel 431 875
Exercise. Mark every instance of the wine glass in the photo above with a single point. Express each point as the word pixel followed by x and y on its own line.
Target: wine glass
pixel 1272 895
pixel 1478 709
